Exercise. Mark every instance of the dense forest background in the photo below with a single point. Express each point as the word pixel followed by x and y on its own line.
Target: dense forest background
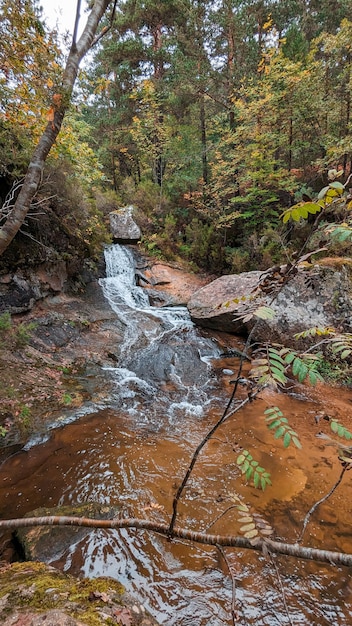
pixel 210 117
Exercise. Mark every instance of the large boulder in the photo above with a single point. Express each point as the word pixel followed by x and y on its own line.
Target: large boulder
pixel 123 227
pixel 213 306
pixel 321 296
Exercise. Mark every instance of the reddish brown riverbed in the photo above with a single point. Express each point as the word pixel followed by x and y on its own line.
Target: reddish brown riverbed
pixel 106 458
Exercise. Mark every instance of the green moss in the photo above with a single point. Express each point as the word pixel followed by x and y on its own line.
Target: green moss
pixel 39 587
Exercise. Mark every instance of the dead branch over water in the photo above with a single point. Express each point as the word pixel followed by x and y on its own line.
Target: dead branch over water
pixel 265 545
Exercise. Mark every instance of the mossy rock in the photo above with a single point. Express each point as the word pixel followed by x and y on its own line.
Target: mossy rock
pixel 33 593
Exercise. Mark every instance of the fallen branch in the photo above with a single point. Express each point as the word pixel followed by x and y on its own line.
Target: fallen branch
pixel 265 545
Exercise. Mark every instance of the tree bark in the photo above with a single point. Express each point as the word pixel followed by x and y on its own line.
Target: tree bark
pixel 265 545
pixel 60 105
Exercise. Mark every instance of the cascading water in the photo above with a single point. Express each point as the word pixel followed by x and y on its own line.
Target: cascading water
pixel 165 368
pixel 132 452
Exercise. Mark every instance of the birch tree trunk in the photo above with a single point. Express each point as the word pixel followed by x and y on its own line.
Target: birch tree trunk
pixel 60 105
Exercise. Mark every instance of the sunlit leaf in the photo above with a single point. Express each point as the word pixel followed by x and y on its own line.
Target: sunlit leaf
pixel 247 527
pixel 251 534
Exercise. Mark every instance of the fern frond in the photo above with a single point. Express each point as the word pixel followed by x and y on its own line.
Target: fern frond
pixel 302 365
pixel 340 430
pixel 276 421
pixel 269 369
pixel 253 526
pixel 316 331
pixel 342 345
pixel 252 470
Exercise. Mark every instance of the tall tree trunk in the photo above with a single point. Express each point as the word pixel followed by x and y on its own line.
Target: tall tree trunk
pixel 60 105
pixel 203 133
pixel 159 165
pixel 230 68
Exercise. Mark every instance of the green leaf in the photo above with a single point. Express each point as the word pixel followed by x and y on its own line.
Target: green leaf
pixel 337 185
pixel 256 479
pixel 245 466
pixel 279 375
pixel 297 443
pixel 312 207
pixel 334 426
pixel 240 459
pixel 302 374
pixel 264 313
pixel 247 527
pixel 322 192
pixel 280 431
pixel 295 214
pixel 287 439
pixel 290 357
pixel 340 430
pixel 249 472
pixel 274 424
pixel 296 366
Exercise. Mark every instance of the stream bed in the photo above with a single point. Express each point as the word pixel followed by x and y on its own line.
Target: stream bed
pixel 131 449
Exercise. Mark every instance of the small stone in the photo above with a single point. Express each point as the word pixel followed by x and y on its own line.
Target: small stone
pixel 228 372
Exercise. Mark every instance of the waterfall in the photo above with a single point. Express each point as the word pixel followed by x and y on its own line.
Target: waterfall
pixel 164 363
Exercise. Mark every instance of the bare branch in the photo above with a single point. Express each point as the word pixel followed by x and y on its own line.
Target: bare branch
pixel 234 613
pixel 316 504
pixel 276 547
pixel 106 28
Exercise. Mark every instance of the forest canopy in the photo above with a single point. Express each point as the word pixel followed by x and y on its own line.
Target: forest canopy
pixel 212 118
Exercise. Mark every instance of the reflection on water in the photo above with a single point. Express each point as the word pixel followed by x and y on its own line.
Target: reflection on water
pixel 102 459
pixel 168 390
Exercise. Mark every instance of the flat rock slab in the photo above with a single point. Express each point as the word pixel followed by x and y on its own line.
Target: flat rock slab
pixel 172 285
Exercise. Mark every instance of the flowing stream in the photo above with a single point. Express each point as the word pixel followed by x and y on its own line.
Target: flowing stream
pixel 130 452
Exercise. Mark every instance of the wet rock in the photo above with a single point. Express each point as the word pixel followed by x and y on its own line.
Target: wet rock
pixel 321 298
pixel 19 291
pixel 18 295
pixel 123 227
pixel 49 543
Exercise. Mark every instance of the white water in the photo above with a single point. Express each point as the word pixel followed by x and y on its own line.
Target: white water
pixel 165 365
pixel 114 458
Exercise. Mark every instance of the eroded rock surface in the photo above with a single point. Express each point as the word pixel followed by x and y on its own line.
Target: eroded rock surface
pixel 319 297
